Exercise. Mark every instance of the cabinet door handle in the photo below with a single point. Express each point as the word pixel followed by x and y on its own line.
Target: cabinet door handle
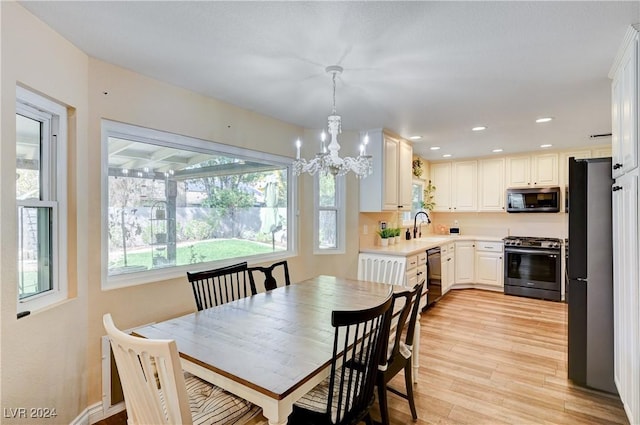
pixel 617 165
pixel 616 188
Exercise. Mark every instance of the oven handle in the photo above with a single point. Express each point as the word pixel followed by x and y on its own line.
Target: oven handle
pixel 530 251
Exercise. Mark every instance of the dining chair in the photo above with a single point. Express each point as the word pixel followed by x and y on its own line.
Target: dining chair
pixel 270 282
pixel 399 350
pixel 346 396
pixel 219 286
pixel 157 391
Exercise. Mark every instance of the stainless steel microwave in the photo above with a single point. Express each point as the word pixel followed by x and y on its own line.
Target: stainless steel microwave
pixel 539 199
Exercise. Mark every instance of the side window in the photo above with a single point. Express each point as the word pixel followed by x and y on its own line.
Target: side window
pixel 329 216
pixel 41 140
pixel 173 203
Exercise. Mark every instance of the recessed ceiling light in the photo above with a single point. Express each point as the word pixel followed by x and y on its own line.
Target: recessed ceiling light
pixel 415 137
pixel 446 155
pixel 546 146
pixel 544 119
pixel 497 150
pixel 479 128
pixel 434 148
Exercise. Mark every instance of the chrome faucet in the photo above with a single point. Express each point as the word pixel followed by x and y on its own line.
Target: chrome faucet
pixel 415 224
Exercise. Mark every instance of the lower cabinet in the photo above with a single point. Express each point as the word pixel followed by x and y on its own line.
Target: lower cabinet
pixel 489 264
pixel 464 262
pixel 447 267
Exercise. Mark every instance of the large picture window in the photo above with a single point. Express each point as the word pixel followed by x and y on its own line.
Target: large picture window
pixel 174 203
pixel 41 169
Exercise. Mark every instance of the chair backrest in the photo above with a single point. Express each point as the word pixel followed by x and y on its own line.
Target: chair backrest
pixel 219 286
pixel 406 305
pixel 151 376
pixel 266 275
pixel 354 364
pixel 386 269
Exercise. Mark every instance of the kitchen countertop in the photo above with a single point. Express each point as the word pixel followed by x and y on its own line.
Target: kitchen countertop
pixel 415 246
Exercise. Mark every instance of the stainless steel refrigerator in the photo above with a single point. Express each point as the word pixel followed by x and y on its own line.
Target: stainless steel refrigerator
pixel 590 274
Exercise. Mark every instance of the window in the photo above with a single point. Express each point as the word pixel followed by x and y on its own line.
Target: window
pixel 173 203
pixel 417 196
pixel 329 217
pixel 41 199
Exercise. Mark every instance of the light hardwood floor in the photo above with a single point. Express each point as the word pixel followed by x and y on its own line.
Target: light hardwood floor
pixel 490 358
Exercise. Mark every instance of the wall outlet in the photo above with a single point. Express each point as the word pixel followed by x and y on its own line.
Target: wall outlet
pixel 382 225
pixel 365 229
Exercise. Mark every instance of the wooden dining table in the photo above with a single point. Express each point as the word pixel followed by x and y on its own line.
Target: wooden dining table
pixel 270 348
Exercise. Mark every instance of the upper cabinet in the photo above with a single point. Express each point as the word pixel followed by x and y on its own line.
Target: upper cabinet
pixel 491 184
pixel 455 185
pixel 532 170
pixel 441 179
pixel 624 109
pixel 388 188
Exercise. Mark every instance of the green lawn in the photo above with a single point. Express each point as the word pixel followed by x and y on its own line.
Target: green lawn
pixel 199 252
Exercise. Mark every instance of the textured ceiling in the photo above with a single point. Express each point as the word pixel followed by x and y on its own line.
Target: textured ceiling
pixel 434 69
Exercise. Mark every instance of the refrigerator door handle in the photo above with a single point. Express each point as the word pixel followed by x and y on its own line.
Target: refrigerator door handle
pixel 581 279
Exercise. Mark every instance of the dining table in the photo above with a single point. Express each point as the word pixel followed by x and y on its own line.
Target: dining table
pixel 270 348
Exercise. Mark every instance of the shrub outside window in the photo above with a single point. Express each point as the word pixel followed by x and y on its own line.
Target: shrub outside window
pixel 174 203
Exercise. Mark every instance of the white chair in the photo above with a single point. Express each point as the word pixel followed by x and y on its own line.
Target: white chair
pixel 375 268
pixel 157 392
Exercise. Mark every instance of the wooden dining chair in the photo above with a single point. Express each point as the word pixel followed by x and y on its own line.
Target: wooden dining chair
pixel 219 286
pixel 399 350
pixel 346 396
pixel 156 391
pixel 266 274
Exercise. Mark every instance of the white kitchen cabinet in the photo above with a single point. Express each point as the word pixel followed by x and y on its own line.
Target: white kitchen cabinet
pixel 388 188
pixel 456 186
pixel 464 270
pixel 464 188
pixel 447 267
pixel 531 171
pixel 491 184
pixel 489 264
pixel 626 292
pixel 416 269
pixel 441 179
pixel 624 106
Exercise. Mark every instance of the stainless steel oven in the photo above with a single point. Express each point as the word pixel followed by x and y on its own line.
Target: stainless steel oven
pixel 532 267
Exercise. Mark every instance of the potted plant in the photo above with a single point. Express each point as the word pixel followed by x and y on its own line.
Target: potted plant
pixel 384 234
pixel 396 234
pixel 428 203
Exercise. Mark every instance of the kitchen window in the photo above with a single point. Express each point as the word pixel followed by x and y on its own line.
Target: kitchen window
pixel 329 216
pixel 174 203
pixel 41 167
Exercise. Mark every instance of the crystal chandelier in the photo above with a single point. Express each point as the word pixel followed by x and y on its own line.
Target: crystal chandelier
pixel 328 161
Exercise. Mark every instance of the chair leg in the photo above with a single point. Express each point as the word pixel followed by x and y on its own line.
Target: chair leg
pixel 382 402
pixel 408 379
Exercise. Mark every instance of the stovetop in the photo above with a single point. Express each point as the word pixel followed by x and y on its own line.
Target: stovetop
pixel 533 242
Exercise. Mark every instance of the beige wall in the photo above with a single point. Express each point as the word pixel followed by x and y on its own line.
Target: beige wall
pixel 53 358
pixel 43 355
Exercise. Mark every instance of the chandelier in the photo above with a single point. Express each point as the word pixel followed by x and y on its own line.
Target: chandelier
pixel 328 161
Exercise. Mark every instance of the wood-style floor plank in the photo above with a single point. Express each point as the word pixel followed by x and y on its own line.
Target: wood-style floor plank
pixel 490 358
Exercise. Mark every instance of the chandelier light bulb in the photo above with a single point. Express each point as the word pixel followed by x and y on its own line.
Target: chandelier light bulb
pixel 298 145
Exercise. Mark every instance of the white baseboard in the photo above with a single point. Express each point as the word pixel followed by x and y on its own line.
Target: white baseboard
pixel 95 413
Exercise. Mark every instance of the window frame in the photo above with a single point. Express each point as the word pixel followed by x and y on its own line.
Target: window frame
pixel 53 169
pixel 140 134
pixel 340 184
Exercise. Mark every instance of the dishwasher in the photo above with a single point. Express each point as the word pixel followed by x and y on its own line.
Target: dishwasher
pixel 434 276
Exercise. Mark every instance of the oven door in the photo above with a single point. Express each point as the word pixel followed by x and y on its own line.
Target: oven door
pixel 536 268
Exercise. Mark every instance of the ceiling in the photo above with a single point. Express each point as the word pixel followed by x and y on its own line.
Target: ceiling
pixel 433 69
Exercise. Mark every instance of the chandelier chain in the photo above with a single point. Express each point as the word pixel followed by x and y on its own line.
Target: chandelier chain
pixel 334 93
